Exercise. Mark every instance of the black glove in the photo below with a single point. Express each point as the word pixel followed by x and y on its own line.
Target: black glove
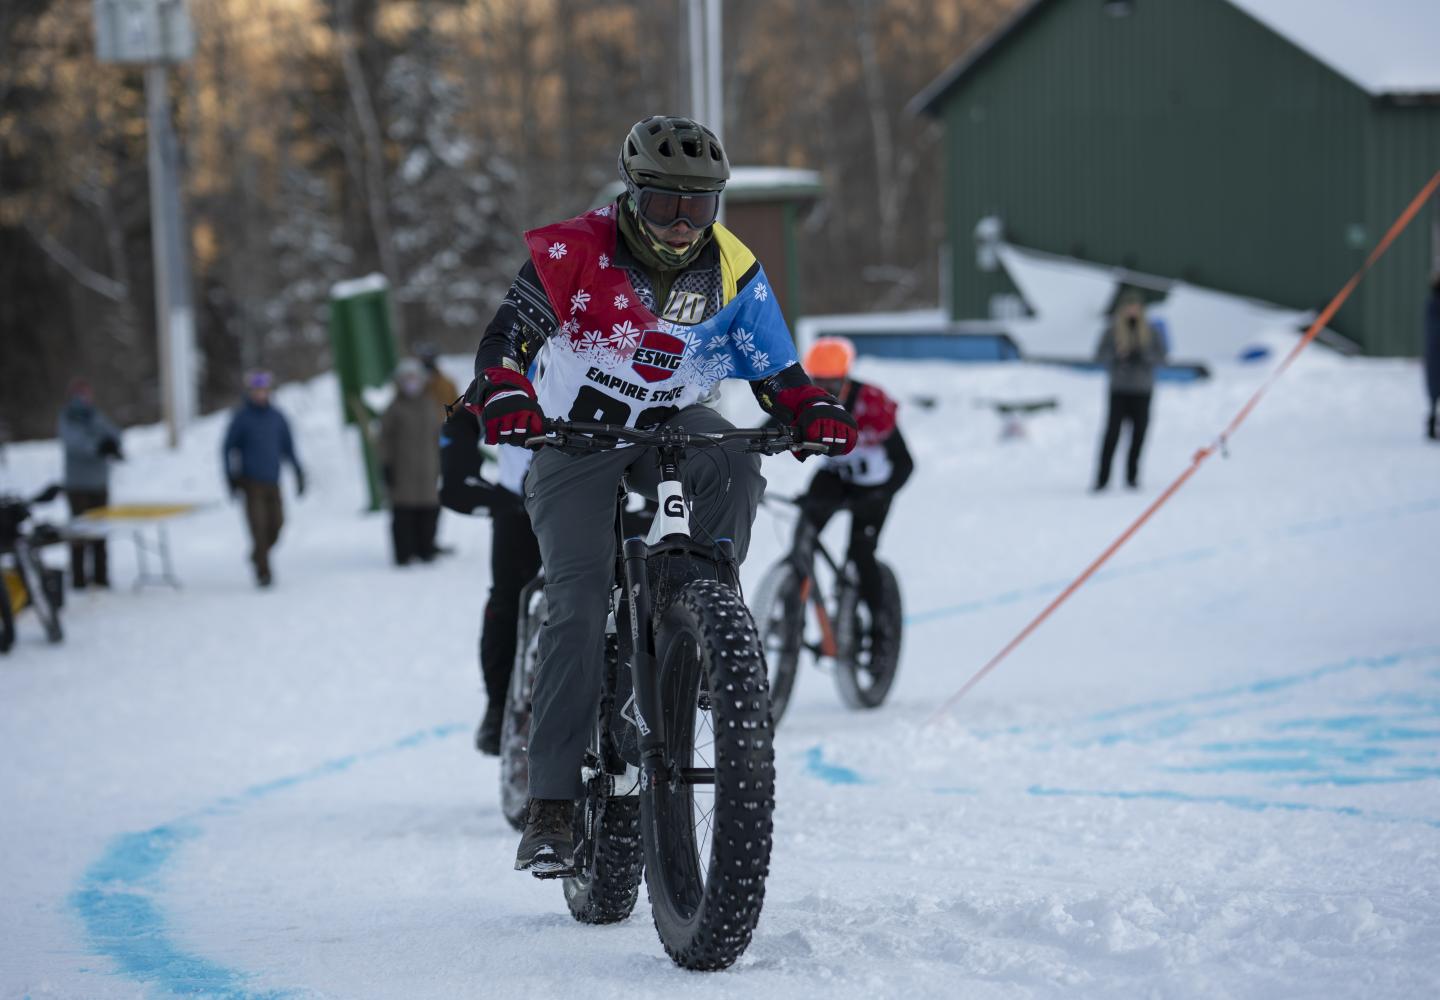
pixel 510 414
pixel 818 417
pixel 299 481
pixel 110 448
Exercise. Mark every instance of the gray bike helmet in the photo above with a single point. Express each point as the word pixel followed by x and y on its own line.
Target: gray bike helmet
pixel 677 154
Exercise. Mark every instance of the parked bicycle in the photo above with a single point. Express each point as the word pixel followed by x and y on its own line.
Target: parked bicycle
pixel 859 642
pixel 27 581
pixel 679 776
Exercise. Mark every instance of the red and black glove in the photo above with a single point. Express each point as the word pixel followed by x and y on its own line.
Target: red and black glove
pixel 508 410
pixel 818 417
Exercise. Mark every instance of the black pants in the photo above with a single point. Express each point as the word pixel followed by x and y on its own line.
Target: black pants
pixel 1134 408
pixel 265 514
pixel 869 507
pixel 514 561
pixel 412 533
pixel 98 557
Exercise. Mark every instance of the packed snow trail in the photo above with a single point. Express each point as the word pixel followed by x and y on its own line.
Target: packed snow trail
pixel 1214 773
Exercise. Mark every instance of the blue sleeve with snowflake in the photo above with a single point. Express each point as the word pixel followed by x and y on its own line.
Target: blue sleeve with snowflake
pixel 759 341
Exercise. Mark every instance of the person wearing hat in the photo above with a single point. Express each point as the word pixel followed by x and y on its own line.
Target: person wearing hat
pixel 410 464
pixel 1130 349
pixel 91 443
pixel 866 480
pixel 642 307
pixel 257 441
pixel 437 384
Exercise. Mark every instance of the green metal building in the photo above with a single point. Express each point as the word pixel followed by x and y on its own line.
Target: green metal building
pixel 1258 147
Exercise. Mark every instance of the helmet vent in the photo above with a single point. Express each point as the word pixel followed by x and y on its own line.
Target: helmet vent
pixel 664 148
pixel 691 147
pixel 655 128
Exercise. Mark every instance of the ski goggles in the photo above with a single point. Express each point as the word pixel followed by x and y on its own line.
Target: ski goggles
pixel 663 209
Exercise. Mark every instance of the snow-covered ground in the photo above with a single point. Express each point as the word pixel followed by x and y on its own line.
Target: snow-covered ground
pixel 1213 773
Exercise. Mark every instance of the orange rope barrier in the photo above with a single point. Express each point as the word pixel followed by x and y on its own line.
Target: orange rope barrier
pixel 1204 453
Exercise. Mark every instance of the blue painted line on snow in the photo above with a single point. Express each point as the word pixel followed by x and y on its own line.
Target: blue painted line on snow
pixel 1246 802
pixel 831 774
pixel 117 898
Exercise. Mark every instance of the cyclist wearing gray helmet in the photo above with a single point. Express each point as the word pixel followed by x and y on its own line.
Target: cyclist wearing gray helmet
pixel 641 307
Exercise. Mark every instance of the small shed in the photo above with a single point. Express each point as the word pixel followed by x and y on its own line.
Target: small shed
pixel 1257 147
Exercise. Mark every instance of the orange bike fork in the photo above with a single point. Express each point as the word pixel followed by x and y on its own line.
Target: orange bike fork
pixel 828 646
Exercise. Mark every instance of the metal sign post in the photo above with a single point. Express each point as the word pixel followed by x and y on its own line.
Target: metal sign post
pixel 706 82
pixel 155 34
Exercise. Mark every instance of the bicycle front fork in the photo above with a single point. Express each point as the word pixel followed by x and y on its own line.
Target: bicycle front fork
pixel 645 671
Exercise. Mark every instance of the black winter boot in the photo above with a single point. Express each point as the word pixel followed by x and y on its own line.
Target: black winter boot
pixel 487 737
pixel 547 848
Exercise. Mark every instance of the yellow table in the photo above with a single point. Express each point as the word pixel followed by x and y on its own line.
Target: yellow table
pixel 139 517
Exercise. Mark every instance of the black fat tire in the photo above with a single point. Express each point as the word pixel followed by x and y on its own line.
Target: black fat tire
pixel 7 615
pixel 706 641
pixel 780 617
pixel 869 654
pixel 606 893
pixel 515 724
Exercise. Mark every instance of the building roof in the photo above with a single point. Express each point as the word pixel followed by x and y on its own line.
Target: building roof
pixel 1384 47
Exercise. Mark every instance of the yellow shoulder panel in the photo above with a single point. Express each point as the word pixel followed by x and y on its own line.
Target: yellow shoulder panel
pixel 735 260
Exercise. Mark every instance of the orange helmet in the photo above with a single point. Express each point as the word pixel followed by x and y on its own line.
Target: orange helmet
pixel 830 357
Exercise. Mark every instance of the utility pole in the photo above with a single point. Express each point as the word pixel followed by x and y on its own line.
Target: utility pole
pixel 706 81
pixel 157 34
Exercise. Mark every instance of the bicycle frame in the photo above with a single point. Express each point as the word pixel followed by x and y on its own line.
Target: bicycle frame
pixel 669 536
pixel 802 556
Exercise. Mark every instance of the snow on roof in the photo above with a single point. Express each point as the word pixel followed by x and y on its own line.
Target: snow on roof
pixel 1069 298
pixel 1382 46
pixel 752 184
pixel 359 286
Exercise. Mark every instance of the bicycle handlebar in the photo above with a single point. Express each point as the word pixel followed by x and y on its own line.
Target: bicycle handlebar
pixel 601 437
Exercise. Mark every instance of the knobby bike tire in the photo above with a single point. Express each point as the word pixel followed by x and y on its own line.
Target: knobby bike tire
pixel 604 892
pixel 710 666
pixel 515 724
pixel 869 642
pixel 780 616
pixel 7 618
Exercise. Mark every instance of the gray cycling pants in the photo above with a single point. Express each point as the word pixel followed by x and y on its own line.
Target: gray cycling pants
pixel 571 501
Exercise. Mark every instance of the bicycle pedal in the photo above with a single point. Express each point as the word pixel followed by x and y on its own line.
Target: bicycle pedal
pixel 546 873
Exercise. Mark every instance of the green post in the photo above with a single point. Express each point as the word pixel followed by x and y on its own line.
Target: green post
pixel 364 351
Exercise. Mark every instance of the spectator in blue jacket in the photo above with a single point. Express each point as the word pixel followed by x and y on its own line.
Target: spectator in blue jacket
pixel 91 443
pixel 257 441
pixel 1432 354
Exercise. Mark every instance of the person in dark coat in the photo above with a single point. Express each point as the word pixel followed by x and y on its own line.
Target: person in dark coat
pixel 1432 355
pixel 1130 349
pixel 410 464
pixel 256 443
pixel 91 443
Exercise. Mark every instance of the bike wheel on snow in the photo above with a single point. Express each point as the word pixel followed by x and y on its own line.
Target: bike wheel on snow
pixel 708 828
pixel 869 642
pixel 515 724
pixel 605 890
pixel 779 614
pixel 610 854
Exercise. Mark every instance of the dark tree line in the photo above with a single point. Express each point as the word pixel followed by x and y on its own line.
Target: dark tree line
pixel 419 138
